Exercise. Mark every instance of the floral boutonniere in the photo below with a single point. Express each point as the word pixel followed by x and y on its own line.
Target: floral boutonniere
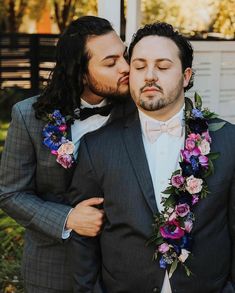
pixel 55 138
pixel 187 186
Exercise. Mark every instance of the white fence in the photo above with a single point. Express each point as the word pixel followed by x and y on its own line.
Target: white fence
pixel 214 64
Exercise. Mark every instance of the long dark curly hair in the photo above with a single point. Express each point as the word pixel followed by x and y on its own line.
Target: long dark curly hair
pixel 164 29
pixel 65 84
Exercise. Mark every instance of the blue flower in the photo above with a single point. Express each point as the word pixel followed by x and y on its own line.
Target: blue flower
pixel 197 113
pixel 186 242
pixel 52 137
pixel 59 119
pixel 195 163
pixel 162 263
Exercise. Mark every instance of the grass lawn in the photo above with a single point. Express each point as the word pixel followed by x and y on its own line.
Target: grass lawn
pixel 11 235
pixel 3 132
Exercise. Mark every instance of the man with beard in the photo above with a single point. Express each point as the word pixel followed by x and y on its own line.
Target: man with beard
pixel 165 142
pixel 42 143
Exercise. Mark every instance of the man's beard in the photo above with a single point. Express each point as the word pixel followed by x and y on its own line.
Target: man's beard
pixel 162 102
pixel 111 94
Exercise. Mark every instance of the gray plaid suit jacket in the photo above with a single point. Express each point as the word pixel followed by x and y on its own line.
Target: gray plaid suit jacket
pixel 33 192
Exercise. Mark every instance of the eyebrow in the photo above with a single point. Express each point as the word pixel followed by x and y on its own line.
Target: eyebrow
pixel 114 56
pixel 110 57
pixel 157 60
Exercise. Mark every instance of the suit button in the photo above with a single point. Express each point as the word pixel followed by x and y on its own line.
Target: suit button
pixel 156 289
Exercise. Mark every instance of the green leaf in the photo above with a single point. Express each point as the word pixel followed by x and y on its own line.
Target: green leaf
pixel 173 268
pixel 213 156
pixel 210 169
pixel 216 126
pixel 170 201
pixel 197 101
pixel 209 115
pixel 187 270
pixel 168 190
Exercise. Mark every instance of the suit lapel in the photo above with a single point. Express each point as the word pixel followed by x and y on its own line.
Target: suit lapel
pixel 134 145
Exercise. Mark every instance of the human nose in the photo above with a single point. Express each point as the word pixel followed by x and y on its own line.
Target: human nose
pixel 124 66
pixel 151 75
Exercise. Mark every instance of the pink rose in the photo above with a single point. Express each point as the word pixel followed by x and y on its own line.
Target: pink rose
pixel 182 209
pixel 206 135
pixel 190 144
pixel 66 148
pixel 173 216
pixel 164 247
pixel 65 161
pixel 177 181
pixel 194 136
pixel 193 185
pixel 204 147
pixel 188 225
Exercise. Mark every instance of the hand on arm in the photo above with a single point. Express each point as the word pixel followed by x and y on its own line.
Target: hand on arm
pixel 85 219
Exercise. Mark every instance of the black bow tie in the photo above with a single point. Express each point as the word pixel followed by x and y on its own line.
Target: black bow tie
pixel 85 113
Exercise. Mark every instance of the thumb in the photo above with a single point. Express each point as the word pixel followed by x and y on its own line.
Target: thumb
pixel 92 201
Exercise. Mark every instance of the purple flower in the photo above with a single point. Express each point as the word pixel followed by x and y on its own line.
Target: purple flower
pixel 182 209
pixel 195 199
pixel 204 161
pixel 188 225
pixel 197 113
pixel 171 230
pixel 65 160
pixel 186 155
pixel 177 181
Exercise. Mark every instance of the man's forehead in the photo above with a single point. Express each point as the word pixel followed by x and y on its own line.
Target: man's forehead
pixel 155 47
pixel 105 46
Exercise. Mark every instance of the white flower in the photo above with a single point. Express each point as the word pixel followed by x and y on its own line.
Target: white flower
pixel 184 255
pixel 193 185
pixel 204 147
pixel 66 148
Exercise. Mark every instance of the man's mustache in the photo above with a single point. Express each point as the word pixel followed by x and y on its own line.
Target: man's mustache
pixel 151 84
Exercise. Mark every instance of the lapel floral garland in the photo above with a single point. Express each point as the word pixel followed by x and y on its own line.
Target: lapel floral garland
pixel 55 138
pixel 173 226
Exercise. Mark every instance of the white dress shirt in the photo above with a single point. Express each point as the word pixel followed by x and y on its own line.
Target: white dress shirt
pixel 163 159
pixel 80 128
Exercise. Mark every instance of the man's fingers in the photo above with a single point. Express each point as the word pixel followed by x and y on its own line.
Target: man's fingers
pixel 92 201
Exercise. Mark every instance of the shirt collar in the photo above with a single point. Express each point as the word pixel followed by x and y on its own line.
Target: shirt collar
pixel 144 117
pixel 85 104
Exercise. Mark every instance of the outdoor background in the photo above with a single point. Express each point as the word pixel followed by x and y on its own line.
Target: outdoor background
pixel 29 30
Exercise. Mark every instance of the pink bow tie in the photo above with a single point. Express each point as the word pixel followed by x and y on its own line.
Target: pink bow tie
pixel 153 130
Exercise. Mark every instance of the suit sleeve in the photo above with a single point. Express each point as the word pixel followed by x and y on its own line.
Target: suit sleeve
pixel 84 251
pixel 232 227
pixel 18 196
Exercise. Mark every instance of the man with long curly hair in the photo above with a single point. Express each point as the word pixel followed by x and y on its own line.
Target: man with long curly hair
pixel 89 79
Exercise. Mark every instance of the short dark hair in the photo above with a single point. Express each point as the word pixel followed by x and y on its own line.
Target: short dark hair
pixel 65 85
pixel 166 30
